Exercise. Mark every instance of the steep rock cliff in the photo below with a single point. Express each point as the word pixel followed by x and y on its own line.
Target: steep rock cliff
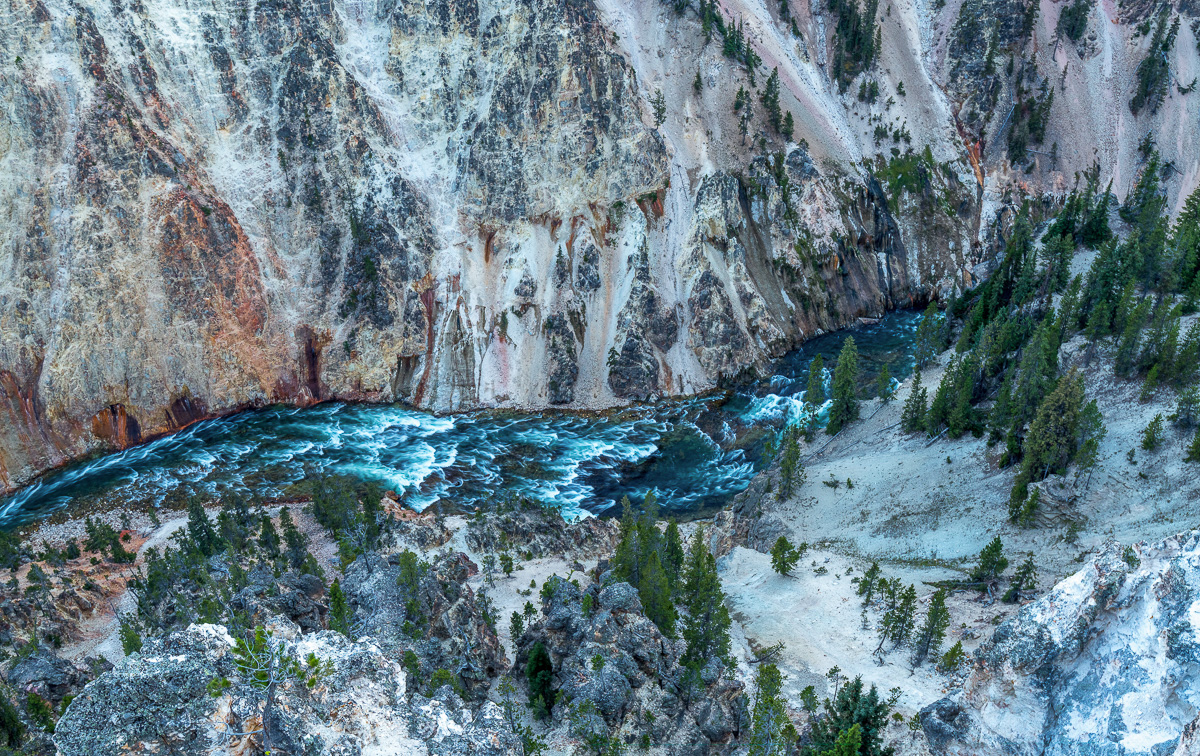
pixel 478 203
pixel 456 205
pixel 1105 663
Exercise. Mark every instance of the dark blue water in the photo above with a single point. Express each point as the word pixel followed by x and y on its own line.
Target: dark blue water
pixel 693 453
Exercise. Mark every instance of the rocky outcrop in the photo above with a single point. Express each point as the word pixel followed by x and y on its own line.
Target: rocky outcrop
pixel 427 608
pixel 611 655
pixel 1105 663
pixel 539 531
pixel 189 693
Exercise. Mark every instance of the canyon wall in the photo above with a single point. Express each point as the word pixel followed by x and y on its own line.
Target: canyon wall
pixel 212 204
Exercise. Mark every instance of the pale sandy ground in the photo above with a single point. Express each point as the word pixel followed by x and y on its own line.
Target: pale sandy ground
pixel 924 510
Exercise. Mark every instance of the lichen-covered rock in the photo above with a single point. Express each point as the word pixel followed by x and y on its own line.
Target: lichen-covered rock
pixel 157 696
pixel 353 701
pixel 1101 665
pixel 617 659
pixel 541 531
pixel 47 675
pixel 439 618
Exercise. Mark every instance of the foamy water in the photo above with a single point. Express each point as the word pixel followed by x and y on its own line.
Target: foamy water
pixel 693 453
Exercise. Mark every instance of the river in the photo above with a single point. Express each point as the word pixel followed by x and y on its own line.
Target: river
pixel 694 453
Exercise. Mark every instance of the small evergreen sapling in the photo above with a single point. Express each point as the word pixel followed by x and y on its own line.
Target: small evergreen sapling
pixel 844 408
pixel 784 555
pixel 992 562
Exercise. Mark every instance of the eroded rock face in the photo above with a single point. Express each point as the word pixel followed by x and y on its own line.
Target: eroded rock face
pixel 433 613
pixel 164 697
pixel 454 205
pixel 616 658
pixel 1105 663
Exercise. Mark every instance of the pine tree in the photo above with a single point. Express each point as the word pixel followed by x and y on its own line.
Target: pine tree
pixel 939 409
pixel 897 623
pixel 933 630
pixel 1127 346
pixel 697 83
pixel 268 539
pixel 868 583
pixel 848 743
pixel 673 555
pixel 912 417
pixel 784 556
pixel 1193 453
pixel 770 100
pixel 295 541
pixel 339 610
pixel 539 674
pixel 815 394
pixel 1152 436
pixel 1024 579
pixel 516 626
pixel 659 104
pixel 625 562
pixel 655 593
pixel 927 346
pixel 769 718
pixel 12 729
pixel 852 706
pixel 789 126
pixel 792 474
pixel 200 530
pixel 992 562
pixel 706 626
pixel 883 385
pixel 1054 433
pixel 844 408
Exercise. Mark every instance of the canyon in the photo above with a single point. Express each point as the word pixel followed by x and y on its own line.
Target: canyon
pixel 466 204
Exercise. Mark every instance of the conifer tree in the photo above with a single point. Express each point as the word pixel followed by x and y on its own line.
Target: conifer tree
pixel 1024 579
pixel 939 409
pixel 927 346
pixel 625 561
pixel 868 583
pixel 706 626
pixel 655 593
pixel 815 394
pixel 992 562
pixel 697 83
pixel 883 385
pixel 673 555
pixel 844 408
pixel 849 707
pixel 912 417
pixel 933 631
pixel 1054 434
pixel 339 610
pixel 539 674
pixel 1152 436
pixel 268 538
pixel 789 126
pixel 659 104
pixel 792 474
pixel 784 556
pixel 769 718
pixel 897 623
pixel 770 100
pixel 200 530
pixel 848 743
pixel 1193 452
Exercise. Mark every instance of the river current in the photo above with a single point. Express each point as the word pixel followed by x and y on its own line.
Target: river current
pixel 694 453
